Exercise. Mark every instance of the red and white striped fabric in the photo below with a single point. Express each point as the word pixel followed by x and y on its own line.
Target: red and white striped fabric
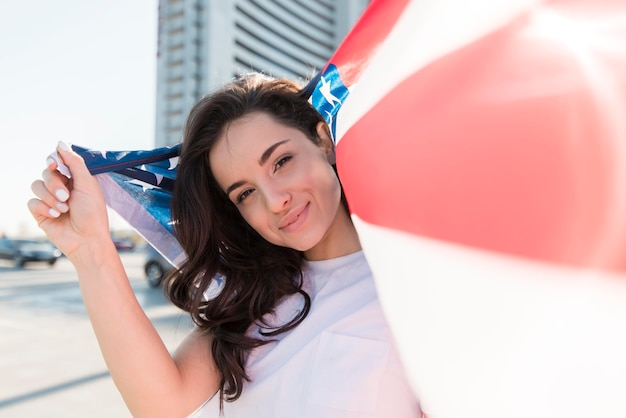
pixel 482 148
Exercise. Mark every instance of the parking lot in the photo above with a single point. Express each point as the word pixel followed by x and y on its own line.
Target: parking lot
pixel 50 361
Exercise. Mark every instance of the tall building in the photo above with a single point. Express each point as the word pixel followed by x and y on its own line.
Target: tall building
pixel 204 43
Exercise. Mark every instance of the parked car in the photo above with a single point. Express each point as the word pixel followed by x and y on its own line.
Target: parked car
pixel 23 251
pixel 155 266
pixel 123 244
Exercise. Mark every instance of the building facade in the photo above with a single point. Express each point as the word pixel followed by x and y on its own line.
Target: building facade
pixel 204 43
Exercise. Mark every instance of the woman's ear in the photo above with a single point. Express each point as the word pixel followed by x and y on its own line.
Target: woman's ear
pixel 327 141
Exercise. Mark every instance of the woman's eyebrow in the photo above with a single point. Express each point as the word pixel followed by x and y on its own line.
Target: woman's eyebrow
pixel 264 157
pixel 268 152
pixel 233 187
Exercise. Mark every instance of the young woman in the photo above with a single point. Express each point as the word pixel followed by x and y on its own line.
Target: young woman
pixel 296 328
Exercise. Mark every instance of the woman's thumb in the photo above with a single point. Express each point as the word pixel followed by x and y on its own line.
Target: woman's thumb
pixel 69 163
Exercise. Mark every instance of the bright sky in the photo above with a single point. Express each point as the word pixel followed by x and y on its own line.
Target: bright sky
pixel 79 71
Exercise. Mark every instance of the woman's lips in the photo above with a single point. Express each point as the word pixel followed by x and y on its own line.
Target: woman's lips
pixel 295 220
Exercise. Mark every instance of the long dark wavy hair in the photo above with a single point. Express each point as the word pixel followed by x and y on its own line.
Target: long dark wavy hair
pixel 218 241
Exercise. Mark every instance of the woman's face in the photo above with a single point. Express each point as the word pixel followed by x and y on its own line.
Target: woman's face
pixel 282 183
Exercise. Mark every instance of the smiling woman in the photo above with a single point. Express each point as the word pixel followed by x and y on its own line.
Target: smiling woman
pixel 285 189
pixel 287 314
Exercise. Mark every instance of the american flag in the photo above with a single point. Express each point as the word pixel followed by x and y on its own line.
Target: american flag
pixel 138 186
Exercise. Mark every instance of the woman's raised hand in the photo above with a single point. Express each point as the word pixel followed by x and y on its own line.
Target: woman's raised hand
pixel 71 211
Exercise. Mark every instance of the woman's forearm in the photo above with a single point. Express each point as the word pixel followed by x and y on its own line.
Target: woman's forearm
pixel 144 371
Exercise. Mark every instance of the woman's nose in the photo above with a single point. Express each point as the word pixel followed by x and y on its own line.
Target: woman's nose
pixel 277 198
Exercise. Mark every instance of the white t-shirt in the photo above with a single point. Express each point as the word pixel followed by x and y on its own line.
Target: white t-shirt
pixel 341 361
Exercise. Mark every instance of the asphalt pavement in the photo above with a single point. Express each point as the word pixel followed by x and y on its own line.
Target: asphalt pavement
pixel 50 363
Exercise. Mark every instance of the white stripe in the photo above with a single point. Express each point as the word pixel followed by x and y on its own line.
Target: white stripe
pixel 489 336
pixel 428 30
pixel 141 220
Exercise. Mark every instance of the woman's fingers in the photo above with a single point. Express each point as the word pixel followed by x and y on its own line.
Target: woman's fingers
pixel 69 205
pixel 52 189
pixel 74 163
pixel 51 193
pixel 41 211
pixel 66 173
pixel 55 186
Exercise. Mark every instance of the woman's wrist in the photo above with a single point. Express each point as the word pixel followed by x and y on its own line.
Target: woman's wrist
pixel 93 254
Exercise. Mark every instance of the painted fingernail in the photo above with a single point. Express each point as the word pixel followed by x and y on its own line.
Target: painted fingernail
pixel 62 195
pixel 62 168
pixel 62 207
pixel 54 213
pixel 64 146
pixel 49 161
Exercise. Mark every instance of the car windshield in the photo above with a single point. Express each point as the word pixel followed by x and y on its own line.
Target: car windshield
pixel 32 245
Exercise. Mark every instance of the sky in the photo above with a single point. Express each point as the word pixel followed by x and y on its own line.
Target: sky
pixel 78 71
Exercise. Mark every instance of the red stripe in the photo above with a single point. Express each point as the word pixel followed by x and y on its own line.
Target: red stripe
pixel 448 155
pixel 365 37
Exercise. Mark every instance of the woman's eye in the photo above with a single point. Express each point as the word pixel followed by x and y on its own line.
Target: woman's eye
pixel 241 196
pixel 281 162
